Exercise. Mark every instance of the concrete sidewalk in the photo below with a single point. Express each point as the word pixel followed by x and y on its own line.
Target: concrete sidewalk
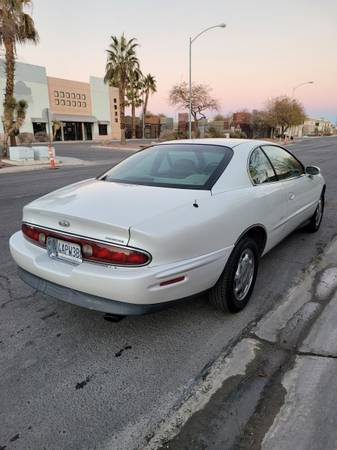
pixel 64 161
pixel 276 387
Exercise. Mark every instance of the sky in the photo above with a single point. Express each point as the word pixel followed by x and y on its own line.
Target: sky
pixel 267 48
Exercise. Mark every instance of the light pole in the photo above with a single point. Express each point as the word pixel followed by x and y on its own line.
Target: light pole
pixel 221 25
pixel 301 84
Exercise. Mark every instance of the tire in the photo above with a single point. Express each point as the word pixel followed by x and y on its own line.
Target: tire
pixel 316 219
pixel 225 295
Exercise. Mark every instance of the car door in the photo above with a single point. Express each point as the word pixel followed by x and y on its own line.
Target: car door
pixel 270 201
pixel 301 190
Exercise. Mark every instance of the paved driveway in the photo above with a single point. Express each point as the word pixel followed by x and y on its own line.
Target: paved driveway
pixel 70 380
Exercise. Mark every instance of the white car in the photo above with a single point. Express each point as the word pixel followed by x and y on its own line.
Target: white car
pixel 171 221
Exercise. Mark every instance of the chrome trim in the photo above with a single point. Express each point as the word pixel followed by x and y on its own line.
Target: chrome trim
pixel 95 240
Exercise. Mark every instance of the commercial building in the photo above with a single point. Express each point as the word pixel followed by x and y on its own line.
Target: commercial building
pixel 316 127
pixel 83 111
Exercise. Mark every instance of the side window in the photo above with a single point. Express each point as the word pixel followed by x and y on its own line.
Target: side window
pixel 285 165
pixel 260 168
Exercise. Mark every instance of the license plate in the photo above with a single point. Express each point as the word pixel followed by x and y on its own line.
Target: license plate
pixel 68 251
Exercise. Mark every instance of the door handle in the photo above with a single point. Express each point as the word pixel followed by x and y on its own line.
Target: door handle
pixel 291 196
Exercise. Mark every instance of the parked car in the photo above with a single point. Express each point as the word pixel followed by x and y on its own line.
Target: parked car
pixel 171 221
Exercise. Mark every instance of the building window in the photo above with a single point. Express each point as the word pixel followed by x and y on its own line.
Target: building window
pixel 63 102
pixel 78 96
pixel 39 127
pixel 72 95
pixel 83 97
pixel 84 104
pixel 115 107
pixel 68 103
pixel 115 100
pixel 74 103
pixel 56 93
pixel 67 95
pixel 62 94
pixel 116 120
pixel 57 101
pixel 116 113
pixel 102 129
pixel 79 104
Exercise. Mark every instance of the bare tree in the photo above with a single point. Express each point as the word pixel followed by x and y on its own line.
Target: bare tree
pixel 201 100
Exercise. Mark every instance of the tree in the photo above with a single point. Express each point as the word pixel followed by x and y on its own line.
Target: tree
pixel 133 95
pixel 16 26
pixel 149 87
pixel 56 125
pixel 259 121
pixel 121 63
pixel 219 117
pixel 20 109
pixel 201 100
pixel 284 112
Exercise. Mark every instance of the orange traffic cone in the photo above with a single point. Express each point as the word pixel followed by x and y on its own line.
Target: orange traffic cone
pixel 51 158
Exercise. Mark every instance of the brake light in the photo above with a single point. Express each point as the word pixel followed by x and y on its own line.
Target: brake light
pixel 116 255
pixel 91 250
pixel 34 234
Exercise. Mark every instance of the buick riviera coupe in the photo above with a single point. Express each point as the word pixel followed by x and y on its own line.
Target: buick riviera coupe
pixel 171 221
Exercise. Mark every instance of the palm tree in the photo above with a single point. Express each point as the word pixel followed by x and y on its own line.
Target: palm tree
pixel 16 26
pixel 133 95
pixel 121 63
pixel 149 87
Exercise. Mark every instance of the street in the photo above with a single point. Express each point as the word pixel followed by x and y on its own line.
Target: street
pixel 71 380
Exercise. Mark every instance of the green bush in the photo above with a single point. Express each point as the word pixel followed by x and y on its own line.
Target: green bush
pixel 169 135
pixel 238 134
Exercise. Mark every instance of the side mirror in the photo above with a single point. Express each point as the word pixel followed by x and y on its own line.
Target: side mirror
pixel 312 170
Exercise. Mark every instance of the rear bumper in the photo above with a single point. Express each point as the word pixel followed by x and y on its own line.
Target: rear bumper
pixel 99 284
pixel 86 300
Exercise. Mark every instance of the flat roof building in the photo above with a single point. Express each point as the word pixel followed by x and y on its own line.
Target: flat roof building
pixel 85 111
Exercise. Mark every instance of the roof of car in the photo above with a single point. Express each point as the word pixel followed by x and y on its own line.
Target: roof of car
pixel 231 143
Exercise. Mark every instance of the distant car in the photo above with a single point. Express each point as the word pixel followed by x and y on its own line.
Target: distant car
pixel 171 221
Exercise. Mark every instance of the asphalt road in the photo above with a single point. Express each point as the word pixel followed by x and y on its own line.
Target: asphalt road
pixel 70 380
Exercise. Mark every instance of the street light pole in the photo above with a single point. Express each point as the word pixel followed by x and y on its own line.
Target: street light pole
pixel 299 85
pixel 222 25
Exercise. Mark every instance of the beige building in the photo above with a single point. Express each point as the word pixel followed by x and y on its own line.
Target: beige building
pixel 85 111
pixel 316 127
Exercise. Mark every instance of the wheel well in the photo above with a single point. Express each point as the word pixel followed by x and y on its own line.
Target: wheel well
pixel 323 190
pixel 258 233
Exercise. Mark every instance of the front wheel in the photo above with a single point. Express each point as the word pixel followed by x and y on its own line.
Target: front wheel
pixel 235 286
pixel 316 219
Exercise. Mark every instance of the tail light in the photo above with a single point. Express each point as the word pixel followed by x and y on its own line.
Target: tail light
pixel 38 236
pixel 91 250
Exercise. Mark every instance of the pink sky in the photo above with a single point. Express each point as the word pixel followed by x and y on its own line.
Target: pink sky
pixel 266 49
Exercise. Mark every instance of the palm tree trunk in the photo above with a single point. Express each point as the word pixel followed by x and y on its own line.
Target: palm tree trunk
pixel 145 108
pixel 9 92
pixel 122 112
pixel 133 114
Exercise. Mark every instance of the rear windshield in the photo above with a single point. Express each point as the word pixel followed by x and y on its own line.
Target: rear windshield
pixel 186 166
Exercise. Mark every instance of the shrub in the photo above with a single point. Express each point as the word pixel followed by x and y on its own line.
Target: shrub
pixel 238 134
pixel 169 135
pixel 41 136
pixel 212 132
pixel 26 138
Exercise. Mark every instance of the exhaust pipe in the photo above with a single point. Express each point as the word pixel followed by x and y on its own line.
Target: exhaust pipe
pixel 113 317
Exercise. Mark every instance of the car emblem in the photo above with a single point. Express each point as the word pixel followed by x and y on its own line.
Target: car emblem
pixel 64 223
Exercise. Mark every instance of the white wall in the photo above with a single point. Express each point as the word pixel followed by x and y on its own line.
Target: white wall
pixel 100 103
pixel 30 85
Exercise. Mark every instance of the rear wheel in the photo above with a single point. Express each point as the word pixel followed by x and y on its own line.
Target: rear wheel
pixel 316 219
pixel 235 286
